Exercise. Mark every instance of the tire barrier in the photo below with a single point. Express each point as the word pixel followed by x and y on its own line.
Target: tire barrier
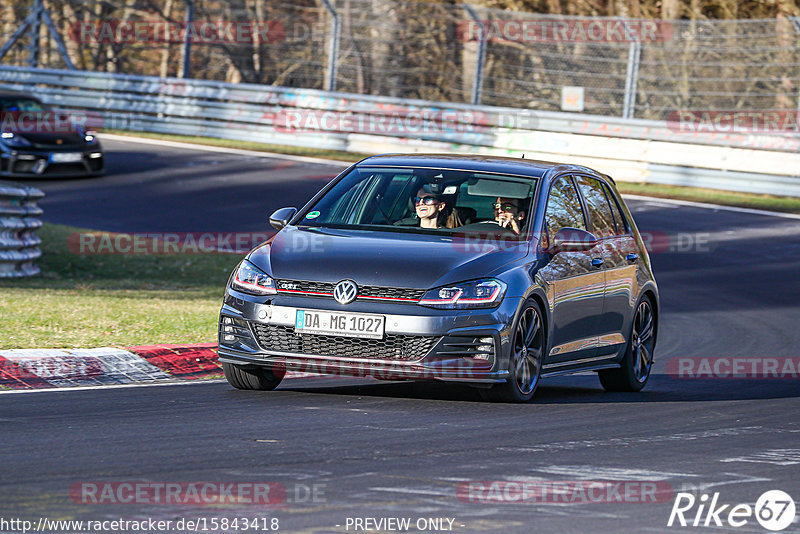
pixel 19 244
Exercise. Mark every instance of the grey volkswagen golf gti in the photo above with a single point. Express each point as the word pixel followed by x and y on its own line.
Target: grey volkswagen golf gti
pixel 495 272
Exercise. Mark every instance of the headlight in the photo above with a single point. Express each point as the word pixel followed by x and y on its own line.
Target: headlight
pixel 250 279
pixel 476 294
pixel 90 138
pixel 13 140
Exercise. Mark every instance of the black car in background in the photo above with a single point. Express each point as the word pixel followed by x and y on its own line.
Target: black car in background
pixel 36 140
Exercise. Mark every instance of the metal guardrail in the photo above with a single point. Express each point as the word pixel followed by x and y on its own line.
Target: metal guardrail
pixel 628 149
pixel 19 244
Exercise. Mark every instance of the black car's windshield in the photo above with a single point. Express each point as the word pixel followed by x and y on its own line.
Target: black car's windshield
pixel 20 103
pixel 426 201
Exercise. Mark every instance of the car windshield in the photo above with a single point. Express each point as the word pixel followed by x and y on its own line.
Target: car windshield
pixel 17 103
pixel 422 200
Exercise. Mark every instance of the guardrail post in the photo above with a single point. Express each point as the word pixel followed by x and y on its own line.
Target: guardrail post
pixel 333 47
pixel 187 41
pixel 631 79
pixel 477 83
pixel 19 244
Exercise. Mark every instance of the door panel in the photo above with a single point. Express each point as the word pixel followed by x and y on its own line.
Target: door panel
pixel 574 286
pixel 617 243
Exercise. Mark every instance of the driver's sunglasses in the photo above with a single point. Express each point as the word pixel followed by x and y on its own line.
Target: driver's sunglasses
pixel 505 207
pixel 428 201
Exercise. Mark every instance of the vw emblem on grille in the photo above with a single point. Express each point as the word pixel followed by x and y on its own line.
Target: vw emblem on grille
pixel 345 292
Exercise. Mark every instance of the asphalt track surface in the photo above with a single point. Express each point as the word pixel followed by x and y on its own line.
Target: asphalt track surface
pixel 378 449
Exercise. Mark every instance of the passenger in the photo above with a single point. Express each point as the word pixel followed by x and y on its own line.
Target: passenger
pixel 507 214
pixel 430 208
pixel 433 211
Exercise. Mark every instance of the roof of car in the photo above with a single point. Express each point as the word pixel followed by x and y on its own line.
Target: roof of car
pixel 520 166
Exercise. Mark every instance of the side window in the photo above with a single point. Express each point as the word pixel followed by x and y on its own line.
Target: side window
pixel 622 226
pixel 600 216
pixel 563 207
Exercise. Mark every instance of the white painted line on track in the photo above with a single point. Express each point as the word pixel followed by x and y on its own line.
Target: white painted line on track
pixel 704 205
pixel 116 386
pixel 226 150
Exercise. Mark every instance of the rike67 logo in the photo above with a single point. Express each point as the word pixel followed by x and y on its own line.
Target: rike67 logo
pixel 774 510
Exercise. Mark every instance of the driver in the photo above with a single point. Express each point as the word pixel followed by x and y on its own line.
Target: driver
pixel 508 215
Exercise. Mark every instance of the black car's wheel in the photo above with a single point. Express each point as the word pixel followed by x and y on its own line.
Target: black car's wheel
pixel 527 353
pixel 638 359
pixel 261 378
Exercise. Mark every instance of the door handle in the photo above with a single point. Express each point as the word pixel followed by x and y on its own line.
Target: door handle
pixel 632 256
pixel 597 262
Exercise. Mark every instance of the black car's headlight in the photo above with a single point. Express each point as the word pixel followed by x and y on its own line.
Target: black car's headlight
pixel 486 293
pixel 250 279
pixel 90 138
pixel 13 140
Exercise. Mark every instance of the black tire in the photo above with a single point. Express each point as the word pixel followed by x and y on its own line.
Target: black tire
pixel 638 360
pixel 252 378
pixel 529 340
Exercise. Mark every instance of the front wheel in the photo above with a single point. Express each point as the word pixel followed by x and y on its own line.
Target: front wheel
pixel 248 378
pixel 638 359
pixel 527 353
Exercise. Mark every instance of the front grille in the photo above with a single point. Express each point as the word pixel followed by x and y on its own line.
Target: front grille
pixel 302 286
pixel 325 289
pixel 392 347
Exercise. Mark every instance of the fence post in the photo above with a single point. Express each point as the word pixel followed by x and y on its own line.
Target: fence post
pixel 796 24
pixel 187 41
pixel 333 49
pixel 631 79
pixel 477 83
pixel 36 23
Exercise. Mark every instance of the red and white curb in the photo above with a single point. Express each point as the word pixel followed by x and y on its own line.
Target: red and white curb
pixel 56 368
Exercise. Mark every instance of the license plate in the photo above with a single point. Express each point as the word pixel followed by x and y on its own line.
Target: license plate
pixel 66 157
pixel 339 324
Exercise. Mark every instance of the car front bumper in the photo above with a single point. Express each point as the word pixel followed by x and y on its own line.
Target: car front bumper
pixel 31 163
pixel 419 343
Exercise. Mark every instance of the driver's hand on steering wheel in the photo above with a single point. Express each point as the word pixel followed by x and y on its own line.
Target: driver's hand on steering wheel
pixel 506 220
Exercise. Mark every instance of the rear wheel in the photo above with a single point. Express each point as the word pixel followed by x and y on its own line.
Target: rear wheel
pixel 638 359
pixel 252 378
pixel 527 352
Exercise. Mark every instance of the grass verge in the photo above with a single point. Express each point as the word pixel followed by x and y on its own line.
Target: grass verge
pixel 112 300
pixel 696 194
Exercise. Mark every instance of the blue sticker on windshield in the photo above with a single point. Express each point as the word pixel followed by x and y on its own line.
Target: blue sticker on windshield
pixel 312 215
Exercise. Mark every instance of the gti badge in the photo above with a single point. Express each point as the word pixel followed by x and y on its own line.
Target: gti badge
pixel 345 292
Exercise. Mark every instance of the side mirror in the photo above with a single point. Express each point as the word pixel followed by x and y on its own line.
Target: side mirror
pixel 572 240
pixel 281 217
